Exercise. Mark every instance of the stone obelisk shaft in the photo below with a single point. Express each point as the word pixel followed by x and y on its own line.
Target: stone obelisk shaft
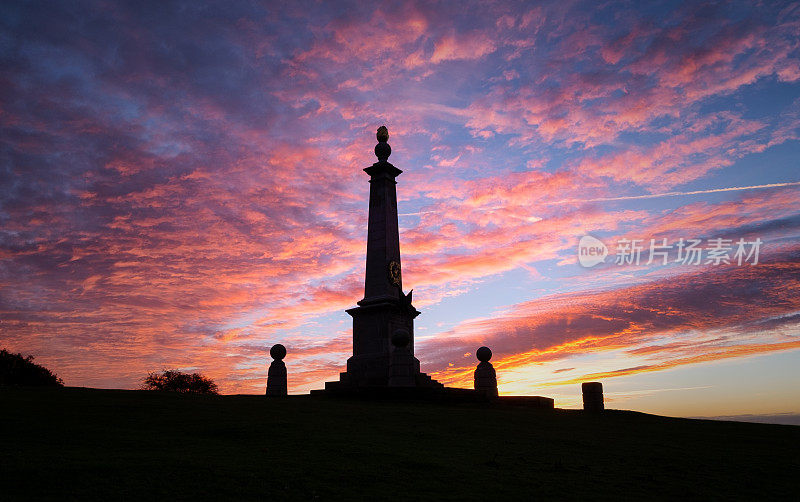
pixel 383 238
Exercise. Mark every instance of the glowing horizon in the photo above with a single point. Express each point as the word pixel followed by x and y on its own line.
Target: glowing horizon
pixel 182 187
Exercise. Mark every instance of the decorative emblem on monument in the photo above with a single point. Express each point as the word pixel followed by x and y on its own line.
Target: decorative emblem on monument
pixel 394 273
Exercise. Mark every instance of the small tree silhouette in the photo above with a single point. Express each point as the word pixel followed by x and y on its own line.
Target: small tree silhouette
pixel 178 381
pixel 18 370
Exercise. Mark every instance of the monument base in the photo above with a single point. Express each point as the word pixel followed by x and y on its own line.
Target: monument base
pixel 437 393
pixel 347 385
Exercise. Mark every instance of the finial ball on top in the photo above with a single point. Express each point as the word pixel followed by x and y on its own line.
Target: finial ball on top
pixel 382 149
pixel 383 134
pixel 277 351
pixel 484 354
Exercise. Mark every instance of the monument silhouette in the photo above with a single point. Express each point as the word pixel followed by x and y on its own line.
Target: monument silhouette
pixel 383 363
pixel 276 375
pixel 485 377
pixel 385 310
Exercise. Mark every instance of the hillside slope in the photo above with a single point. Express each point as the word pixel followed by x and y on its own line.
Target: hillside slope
pixel 111 444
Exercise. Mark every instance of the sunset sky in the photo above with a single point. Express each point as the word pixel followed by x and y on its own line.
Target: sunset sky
pixel 181 186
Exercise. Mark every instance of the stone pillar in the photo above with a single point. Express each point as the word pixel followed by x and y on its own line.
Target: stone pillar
pixel 276 376
pixel 401 367
pixel 592 396
pixel 485 376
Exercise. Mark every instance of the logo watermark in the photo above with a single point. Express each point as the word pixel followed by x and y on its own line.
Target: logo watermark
pixel 591 251
pixel 717 251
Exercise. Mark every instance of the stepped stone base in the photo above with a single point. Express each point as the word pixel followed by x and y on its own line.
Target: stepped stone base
pixel 423 384
pixel 427 389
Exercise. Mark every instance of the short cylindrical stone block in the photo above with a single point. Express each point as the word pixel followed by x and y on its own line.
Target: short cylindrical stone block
pixel 592 396
pixel 276 376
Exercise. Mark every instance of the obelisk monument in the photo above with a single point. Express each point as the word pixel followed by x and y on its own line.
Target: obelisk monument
pixel 385 309
pixel 383 361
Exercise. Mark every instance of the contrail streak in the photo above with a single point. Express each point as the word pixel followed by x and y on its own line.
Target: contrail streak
pixel 647 196
pixel 673 194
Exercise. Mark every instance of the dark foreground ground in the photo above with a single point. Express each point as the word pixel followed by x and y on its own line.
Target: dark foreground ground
pixel 84 444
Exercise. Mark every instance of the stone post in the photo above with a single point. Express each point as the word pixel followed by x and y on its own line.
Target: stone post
pixel 592 396
pixel 485 376
pixel 276 376
pixel 401 365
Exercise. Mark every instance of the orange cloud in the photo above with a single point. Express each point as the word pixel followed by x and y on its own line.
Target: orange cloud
pixel 671 321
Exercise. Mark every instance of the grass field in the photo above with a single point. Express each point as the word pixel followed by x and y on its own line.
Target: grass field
pixel 81 444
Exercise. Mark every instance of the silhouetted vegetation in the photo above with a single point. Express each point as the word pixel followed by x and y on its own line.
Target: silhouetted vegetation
pixel 178 381
pixel 18 370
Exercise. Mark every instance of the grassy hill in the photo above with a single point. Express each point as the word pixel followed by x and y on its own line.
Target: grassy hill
pixel 80 444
